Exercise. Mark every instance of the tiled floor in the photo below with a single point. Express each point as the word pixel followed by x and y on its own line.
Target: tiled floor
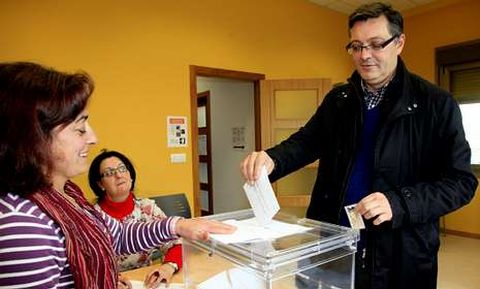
pixel 459 263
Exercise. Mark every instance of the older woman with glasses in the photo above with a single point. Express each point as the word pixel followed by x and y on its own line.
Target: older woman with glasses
pixel 112 178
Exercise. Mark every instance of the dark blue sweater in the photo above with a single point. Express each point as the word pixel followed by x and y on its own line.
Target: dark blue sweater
pixel 360 182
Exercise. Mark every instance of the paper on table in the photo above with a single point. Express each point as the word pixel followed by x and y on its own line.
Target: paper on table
pixel 262 198
pixel 235 278
pixel 139 285
pixel 250 230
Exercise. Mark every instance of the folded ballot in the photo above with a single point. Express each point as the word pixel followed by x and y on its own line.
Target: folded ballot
pixel 262 198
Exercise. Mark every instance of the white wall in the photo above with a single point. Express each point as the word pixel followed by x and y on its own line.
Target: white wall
pixel 232 105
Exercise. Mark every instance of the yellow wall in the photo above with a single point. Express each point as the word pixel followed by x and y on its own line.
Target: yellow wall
pixel 139 54
pixel 426 31
pixel 440 27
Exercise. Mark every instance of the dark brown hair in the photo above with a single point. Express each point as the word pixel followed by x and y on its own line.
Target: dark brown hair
pixel 375 10
pixel 33 101
pixel 94 174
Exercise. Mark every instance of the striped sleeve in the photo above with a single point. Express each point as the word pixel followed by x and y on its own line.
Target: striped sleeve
pixel 132 237
pixel 32 254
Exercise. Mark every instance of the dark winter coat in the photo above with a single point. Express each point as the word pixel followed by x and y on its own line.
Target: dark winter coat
pixel 421 164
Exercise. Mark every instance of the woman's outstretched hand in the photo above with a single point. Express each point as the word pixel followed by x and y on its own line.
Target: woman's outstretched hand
pixel 199 229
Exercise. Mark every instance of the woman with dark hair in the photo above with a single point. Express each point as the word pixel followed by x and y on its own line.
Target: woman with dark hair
pixel 112 178
pixel 95 175
pixel 51 237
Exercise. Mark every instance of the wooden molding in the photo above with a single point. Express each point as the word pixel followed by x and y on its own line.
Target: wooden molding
pixel 294 201
pixel 461 233
pixel 196 71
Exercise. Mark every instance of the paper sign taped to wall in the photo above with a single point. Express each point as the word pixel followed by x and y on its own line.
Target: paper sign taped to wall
pixel 177 131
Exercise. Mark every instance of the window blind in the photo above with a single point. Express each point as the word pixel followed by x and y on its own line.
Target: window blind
pixel 465 85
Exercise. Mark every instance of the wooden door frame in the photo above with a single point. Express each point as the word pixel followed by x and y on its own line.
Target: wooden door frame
pixel 196 71
pixel 207 158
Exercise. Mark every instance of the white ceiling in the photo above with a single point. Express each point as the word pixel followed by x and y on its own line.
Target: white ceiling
pixel 348 6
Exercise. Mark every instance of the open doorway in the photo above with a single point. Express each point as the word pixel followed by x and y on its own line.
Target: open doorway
pixel 230 92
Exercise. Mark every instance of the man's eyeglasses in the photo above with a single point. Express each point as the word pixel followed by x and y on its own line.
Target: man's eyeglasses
pixel 357 47
pixel 111 172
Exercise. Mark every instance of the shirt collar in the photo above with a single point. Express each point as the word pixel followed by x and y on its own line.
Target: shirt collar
pixel 373 97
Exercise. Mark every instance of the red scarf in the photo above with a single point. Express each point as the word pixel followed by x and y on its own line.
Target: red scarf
pixel 118 210
pixel 87 242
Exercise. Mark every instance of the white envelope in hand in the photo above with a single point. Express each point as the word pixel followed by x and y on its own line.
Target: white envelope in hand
pixel 262 198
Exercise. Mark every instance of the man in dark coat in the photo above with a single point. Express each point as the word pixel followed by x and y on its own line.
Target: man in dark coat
pixel 389 142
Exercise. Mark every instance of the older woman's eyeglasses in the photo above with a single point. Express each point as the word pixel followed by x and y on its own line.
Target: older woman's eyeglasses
pixel 357 47
pixel 110 172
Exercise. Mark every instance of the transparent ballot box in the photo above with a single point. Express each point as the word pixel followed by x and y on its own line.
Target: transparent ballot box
pixel 289 253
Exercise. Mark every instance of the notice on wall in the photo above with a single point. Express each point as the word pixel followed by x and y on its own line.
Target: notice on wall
pixel 238 138
pixel 177 131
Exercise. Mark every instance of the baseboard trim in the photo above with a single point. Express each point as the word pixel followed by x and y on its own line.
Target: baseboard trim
pixel 461 233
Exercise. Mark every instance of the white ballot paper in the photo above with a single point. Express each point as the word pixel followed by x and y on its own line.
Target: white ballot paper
pixel 249 230
pixel 234 278
pixel 262 198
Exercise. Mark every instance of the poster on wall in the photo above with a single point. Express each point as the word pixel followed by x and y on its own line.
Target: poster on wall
pixel 177 131
pixel 238 138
